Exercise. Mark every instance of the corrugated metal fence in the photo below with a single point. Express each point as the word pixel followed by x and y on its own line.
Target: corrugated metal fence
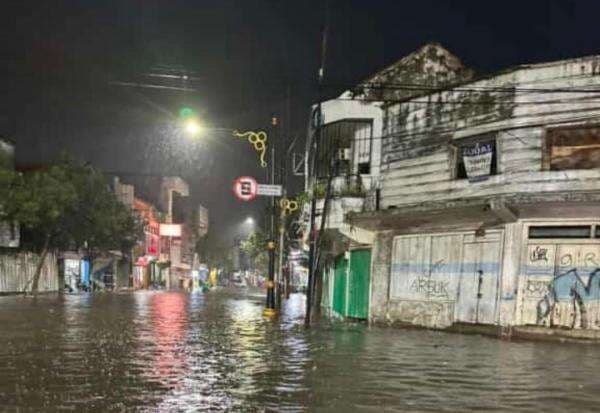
pixel 17 270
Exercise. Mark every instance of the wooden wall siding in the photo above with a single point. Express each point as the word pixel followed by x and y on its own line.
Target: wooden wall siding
pixel 418 160
pixel 17 269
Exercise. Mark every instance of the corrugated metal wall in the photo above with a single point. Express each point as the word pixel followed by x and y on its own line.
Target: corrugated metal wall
pixel 17 270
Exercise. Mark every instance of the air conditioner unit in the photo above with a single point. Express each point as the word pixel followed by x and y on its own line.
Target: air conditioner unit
pixel 344 154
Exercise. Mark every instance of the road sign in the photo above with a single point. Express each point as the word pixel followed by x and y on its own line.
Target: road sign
pixel 245 188
pixel 269 190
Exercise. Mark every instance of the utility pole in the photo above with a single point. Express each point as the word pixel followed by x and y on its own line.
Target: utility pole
pixel 312 259
pixel 313 212
pixel 280 278
pixel 270 310
pixel 283 153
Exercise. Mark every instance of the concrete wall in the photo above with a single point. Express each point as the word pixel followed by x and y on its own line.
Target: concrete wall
pixel 432 279
pixel 559 284
pixel 17 270
pixel 437 279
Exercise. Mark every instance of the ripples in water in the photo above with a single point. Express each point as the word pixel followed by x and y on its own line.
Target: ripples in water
pixel 159 351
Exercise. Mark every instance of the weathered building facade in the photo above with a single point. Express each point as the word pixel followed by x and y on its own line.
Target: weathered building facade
pixel 349 154
pixel 488 196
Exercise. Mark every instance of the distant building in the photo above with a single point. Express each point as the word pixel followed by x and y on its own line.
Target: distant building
pixel 7 153
pixel 125 192
pixel 9 231
pixel 202 221
pixel 146 253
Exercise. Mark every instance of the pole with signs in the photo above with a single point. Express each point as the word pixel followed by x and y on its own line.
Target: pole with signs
pixel 245 188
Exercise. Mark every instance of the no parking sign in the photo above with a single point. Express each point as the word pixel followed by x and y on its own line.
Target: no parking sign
pixel 245 188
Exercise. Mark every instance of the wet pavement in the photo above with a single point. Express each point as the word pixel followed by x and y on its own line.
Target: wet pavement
pixel 159 351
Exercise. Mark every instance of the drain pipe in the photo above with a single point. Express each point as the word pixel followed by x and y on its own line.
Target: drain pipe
pixel 479 282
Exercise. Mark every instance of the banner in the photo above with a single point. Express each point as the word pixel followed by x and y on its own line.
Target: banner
pixel 478 160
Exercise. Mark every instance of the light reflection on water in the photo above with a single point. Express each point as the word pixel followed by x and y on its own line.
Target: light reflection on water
pixel 156 351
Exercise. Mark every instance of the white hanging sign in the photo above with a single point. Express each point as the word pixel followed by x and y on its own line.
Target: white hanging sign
pixel 269 190
pixel 478 160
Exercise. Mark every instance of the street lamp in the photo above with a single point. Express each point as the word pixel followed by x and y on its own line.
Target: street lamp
pixel 258 140
pixel 192 127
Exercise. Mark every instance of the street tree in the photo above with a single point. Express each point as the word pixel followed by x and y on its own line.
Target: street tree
pixel 214 251
pixel 68 206
pixel 255 248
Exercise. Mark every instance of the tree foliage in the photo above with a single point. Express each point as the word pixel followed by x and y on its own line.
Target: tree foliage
pixel 255 247
pixel 67 206
pixel 214 251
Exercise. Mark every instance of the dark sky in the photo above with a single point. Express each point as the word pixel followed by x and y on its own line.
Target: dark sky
pixel 60 60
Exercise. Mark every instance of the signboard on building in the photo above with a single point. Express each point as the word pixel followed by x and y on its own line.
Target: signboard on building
pixel 477 159
pixel 245 188
pixel 170 230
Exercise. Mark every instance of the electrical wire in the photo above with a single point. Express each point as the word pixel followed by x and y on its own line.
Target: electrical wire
pixel 457 88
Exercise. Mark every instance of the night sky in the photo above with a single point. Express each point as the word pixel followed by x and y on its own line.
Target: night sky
pixel 64 63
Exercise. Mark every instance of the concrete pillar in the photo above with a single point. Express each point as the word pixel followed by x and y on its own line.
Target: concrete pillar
pixel 381 258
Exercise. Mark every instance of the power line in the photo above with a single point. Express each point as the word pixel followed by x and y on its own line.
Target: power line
pixel 458 88
pixel 431 131
pixel 467 102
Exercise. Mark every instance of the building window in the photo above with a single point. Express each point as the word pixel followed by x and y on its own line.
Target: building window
pixel 556 231
pixel 476 158
pixel 572 148
pixel 347 144
pixel 13 231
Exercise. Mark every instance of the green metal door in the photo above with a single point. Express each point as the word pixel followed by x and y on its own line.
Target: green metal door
pixel 339 285
pixel 325 291
pixel 358 283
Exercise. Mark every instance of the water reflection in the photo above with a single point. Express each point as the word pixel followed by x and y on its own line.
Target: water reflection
pixel 156 351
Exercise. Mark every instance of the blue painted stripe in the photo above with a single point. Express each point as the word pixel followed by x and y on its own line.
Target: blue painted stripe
pixel 550 271
pixel 449 268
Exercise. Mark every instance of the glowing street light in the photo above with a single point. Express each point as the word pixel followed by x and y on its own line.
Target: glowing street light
pixel 192 127
pixel 250 221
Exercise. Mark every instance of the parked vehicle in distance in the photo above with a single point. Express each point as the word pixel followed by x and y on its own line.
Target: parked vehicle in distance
pixel 238 281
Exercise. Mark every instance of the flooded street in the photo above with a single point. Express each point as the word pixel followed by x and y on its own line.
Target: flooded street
pixel 158 351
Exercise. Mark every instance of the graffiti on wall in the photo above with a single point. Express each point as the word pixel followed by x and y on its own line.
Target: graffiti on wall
pixel 424 285
pixel 562 286
pixel 425 268
pixel 439 279
pixel 571 302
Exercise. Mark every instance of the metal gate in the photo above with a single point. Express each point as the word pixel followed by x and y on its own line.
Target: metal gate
pixel 358 283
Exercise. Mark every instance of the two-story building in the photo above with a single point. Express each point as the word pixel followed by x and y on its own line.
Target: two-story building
pixel 348 130
pixel 487 203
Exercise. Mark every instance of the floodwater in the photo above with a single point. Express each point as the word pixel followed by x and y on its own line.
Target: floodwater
pixel 175 351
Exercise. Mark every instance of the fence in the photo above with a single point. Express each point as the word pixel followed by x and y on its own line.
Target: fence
pixel 17 270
